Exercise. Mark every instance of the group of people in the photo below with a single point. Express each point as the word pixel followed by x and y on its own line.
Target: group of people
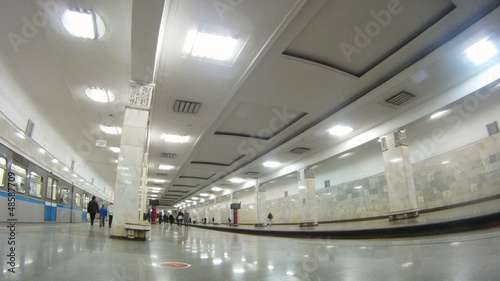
pixel 93 209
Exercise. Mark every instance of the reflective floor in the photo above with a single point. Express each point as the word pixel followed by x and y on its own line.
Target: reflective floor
pixel 82 252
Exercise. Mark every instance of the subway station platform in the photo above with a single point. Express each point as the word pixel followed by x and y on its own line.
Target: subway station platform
pixel 457 244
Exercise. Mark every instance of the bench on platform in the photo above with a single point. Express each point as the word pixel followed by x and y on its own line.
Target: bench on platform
pixel 308 223
pixel 137 231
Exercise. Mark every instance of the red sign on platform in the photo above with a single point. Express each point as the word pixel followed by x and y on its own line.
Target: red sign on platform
pixel 175 265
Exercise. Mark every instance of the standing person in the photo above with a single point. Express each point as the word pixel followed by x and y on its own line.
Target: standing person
pixel 92 209
pixel 111 211
pixel 270 219
pixel 186 218
pixel 179 218
pixel 171 219
pixel 103 212
pixel 165 218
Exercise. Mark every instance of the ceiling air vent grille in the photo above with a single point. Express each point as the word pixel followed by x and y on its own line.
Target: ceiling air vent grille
pixel 492 128
pixel 162 174
pixel 168 155
pixel 188 107
pixel 400 99
pixel 299 150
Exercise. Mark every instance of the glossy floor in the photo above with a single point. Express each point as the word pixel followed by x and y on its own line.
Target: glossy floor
pixel 82 252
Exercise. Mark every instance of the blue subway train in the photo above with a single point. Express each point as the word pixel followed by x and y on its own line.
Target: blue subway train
pixel 29 193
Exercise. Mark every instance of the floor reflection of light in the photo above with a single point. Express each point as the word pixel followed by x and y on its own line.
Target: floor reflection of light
pixel 154 256
pixel 255 262
pixel 408 264
pixel 243 259
pixel 217 261
pixel 59 250
pixel 154 264
pixel 290 273
pixel 204 256
pixel 238 270
pixel 270 267
pixel 456 244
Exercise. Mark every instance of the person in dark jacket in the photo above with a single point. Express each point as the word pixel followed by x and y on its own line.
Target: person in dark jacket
pixel 92 209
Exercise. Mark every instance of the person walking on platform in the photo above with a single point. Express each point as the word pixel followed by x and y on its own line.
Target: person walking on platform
pixel 270 219
pixel 92 208
pixel 111 211
pixel 171 219
pixel 103 212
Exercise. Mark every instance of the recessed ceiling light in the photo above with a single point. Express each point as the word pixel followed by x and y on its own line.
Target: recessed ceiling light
pixel 481 51
pixel 271 164
pixel 83 23
pixel 114 149
pixel 340 130
pixel 99 94
pixel 165 167
pixel 111 130
pixel 439 114
pixel 395 160
pixel 175 138
pixel 237 180
pixel 216 188
pixel 211 46
pixel 204 194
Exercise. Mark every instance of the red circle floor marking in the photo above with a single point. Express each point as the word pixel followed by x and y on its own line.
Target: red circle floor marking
pixel 175 265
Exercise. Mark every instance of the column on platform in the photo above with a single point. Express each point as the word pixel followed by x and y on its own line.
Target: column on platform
pixel 143 207
pixel 399 176
pixel 217 211
pixel 206 213
pixel 260 205
pixel 130 162
pixel 307 197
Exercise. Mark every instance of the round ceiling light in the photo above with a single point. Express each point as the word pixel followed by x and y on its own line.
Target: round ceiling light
pixel 83 23
pixel 99 94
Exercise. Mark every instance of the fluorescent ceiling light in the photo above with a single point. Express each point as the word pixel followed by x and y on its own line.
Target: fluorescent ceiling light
pixel 83 23
pixel 271 164
pixel 175 138
pixel 345 155
pixel 165 167
pixel 481 51
pixel 439 114
pixel 195 198
pixel 237 180
pixel 99 94
pixel 158 180
pixel 114 149
pixel 212 46
pixel 204 194
pixel 358 187
pixel 340 130
pixel 216 188
pixel 111 130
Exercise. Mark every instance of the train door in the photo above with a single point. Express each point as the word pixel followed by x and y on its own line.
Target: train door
pixel 50 200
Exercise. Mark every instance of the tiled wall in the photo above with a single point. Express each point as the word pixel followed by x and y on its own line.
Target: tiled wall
pixel 470 173
pixel 466 174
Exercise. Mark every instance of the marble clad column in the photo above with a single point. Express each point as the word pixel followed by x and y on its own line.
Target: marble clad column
pixel 307 197
pixel 260 205
pixel 399 176
pixel 206 211
pixel 130 160
pixel 144 188
pixel 217 210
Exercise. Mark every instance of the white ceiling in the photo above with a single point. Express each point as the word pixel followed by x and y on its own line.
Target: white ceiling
pixel 305 66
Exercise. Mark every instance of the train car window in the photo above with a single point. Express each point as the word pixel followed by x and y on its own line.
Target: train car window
pixel 78 199
pixel 3 167
pixel 20 177
pixel 64 196
pixel 36 183
pixel 85 200
pixel 52 185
